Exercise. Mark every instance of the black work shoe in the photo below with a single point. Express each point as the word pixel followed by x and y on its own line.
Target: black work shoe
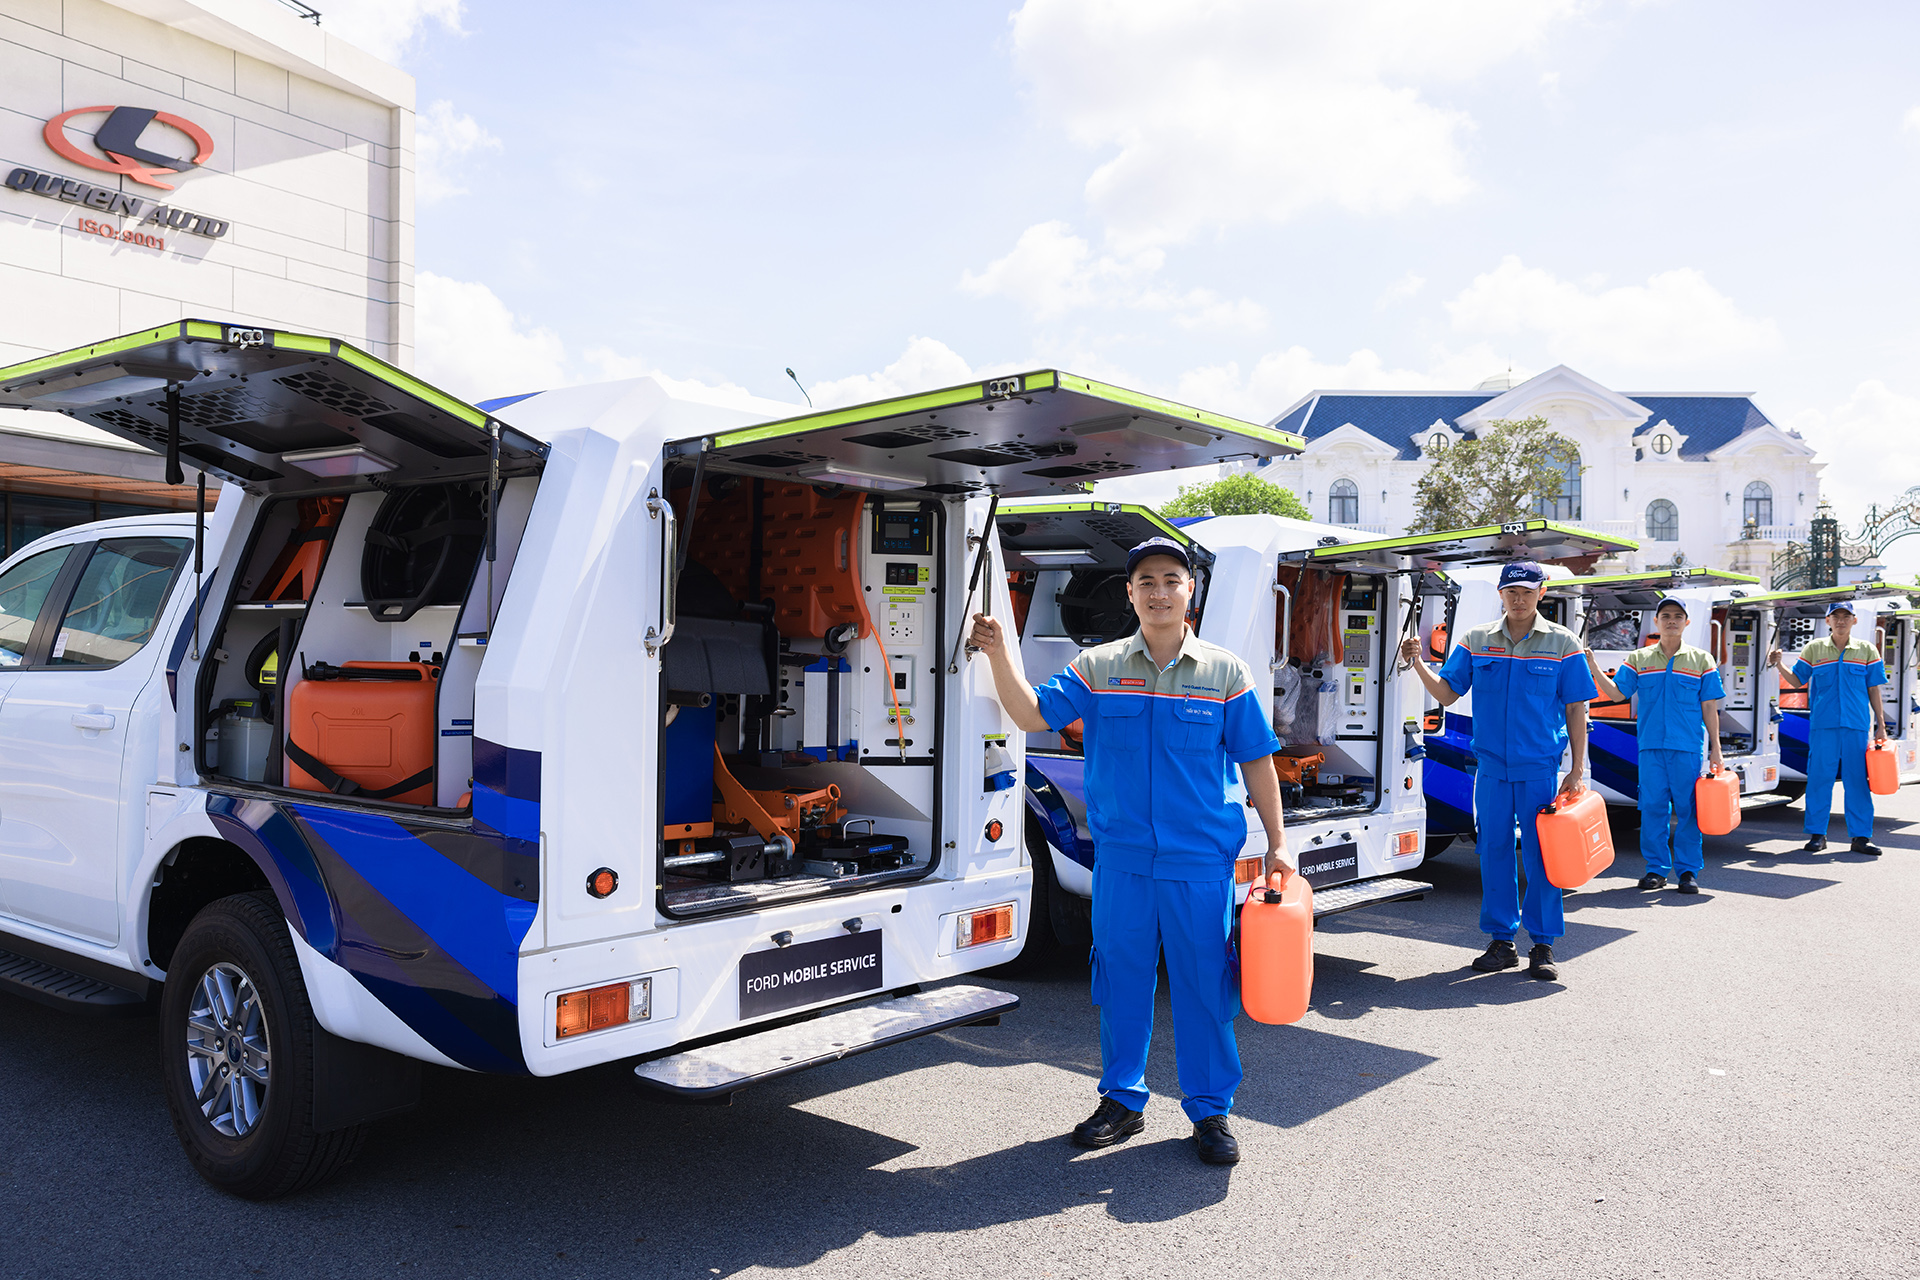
pixel 1865 844
pixel 1814 844
pixel 1540 963
pixel 1216 1142
pixel 1498 955
pixel 1653 880
pixel 1110 1122
pixel 1687 883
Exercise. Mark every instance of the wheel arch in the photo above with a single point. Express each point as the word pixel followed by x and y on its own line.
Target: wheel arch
pixel 196 871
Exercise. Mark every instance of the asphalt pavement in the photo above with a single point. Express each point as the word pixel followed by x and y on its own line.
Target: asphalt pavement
pixel 1719 1086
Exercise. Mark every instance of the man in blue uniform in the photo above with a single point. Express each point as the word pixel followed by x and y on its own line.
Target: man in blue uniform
pixel 1164 712
pixel 1844 678
pixel 1676 719
pixel 1530 688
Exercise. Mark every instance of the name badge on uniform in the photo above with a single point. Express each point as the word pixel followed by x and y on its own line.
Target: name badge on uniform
pixel 1127 682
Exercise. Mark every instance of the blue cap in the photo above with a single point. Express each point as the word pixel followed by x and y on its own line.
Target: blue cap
pixel 1676 601
pixel 1159 547
pixel 1522 573
pixel 1841 606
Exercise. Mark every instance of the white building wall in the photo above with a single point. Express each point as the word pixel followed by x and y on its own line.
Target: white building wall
pixel 1622 476
pixel 312 165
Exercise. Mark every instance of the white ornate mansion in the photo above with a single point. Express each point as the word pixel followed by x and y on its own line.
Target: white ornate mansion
pixel 1703 475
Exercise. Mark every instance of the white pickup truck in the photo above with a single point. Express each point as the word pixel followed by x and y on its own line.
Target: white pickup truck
pixel 519 748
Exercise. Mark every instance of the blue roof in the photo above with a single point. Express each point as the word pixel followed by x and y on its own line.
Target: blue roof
pixel 1395 418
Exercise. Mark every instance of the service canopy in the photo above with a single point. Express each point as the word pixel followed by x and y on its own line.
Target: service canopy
pixel 1643 590
pixel 1029 433
pixel 272 411
pixel 1813 602
pixel 1084 535
pixel 1541 540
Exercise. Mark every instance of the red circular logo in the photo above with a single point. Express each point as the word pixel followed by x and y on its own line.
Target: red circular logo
pixel 119 137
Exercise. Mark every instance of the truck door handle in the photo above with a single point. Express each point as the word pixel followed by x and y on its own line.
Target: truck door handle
pixel 93 719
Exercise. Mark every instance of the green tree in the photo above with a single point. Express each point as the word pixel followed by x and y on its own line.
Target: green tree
pixel 1240 494
pixel 1501 475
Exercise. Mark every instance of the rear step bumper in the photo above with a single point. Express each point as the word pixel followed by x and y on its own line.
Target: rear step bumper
pixel 1765 800
pixel 1366 893
pixel 713 1073
pixel 64 989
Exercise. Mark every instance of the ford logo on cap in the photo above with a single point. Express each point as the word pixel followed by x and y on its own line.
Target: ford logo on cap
pixel 1522 573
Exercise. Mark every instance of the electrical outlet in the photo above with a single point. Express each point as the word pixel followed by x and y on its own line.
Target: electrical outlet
pixel 903 622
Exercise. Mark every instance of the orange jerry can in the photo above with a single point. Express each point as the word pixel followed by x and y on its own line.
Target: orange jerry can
pixel 1716 803
pixel 1575 844
pixel 1883 772
pixel 364 729
pixel 1276 952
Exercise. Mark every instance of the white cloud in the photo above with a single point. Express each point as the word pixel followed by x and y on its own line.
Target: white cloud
pixel 1675 321
pixel 470 343
pixel 1911 121
pixel 925 365
pixel 1403 288
pixel 1244 110
pixel 1863 441
pixel 384 28
pixel 1281 377
pixel 1051 271
pixel 443 138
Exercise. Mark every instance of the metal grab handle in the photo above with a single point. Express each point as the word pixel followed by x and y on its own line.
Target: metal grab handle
pixel 97 720
pixel 1286 626
pixel 659 508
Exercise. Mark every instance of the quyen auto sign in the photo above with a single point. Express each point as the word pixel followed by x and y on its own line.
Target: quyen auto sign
pixel 122 144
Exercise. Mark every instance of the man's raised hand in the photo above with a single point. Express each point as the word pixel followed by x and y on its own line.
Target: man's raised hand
pixel 986 636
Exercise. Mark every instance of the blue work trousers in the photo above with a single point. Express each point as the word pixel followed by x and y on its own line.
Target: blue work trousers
pixel 1133 918
pixel 1498 807
pixel 1666 794
pixel 1842 751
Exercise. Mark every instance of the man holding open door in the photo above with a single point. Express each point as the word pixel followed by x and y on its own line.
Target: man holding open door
pixel 1164 712
pixel 1845 679
pixel 1530 688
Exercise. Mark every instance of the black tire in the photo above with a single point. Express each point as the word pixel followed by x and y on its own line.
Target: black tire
pixel 275 1150
pixel 1043 943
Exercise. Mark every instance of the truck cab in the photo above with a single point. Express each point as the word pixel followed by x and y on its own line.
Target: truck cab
pixel 607 723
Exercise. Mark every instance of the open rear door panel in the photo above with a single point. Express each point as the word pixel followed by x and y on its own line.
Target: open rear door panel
pixel 1643 590
pixel 274 412
pixel 1083 535
pixel 1541 540
pixel 1813 602
pixel 1030 433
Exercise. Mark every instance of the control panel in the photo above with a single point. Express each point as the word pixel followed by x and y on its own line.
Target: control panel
pixel 901 600
pixel 1742 667
pixel 1359 676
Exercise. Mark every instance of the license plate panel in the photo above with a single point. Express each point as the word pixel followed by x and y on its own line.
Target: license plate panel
pixel 1335 864
pixel 826 969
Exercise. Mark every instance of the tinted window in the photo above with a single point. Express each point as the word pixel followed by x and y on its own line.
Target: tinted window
pixel 23 589
pixel 117 604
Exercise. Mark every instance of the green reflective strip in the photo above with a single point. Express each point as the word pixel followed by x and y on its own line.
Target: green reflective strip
pixel 301 342
pixel 1180 412
pixel 943 399
pixel 1864 591
pixel 205 329
pixel 1044 380
pixel 412 386
pixel 112 346
pixel 1652 578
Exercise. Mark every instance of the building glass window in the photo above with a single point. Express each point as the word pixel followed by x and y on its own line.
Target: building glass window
pixel 1564 505
pixel 1757 506
pixel 1343 503
pixel 1663 521
pixel 26 516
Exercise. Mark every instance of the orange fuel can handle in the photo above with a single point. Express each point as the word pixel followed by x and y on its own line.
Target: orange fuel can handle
pixel 1716 803
pixel 1575 845
pixel 1276 952
pixel 1883 772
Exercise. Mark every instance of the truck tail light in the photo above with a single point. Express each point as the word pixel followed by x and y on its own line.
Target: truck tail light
pixel 989 924
pixel 596 1008
pixel 1406 843
pixel 1247 870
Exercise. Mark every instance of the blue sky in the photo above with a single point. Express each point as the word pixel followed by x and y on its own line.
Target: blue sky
pixel 1232 202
